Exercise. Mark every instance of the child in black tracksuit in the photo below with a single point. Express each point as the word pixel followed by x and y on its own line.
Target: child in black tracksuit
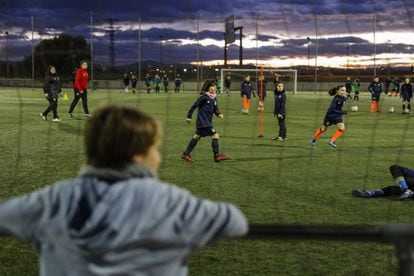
pixel 207 106
pixel 280 110
pixel 52 91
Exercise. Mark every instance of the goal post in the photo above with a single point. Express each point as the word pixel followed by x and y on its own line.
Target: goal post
pixel 288 76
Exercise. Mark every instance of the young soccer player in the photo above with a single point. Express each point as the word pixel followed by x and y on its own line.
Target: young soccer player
pixel 134 82
pixel 227 85
pixel 246 91
pixel 207 106
pixel 333 116
pixel 79 88
pixel 125 81
pixel 116 217
pixel 165 82
pixel 218 85
pixel 404 185
pixel 157 83
pixel 375 88
pixel 356 87
pixel 394 87
pixel 147 82
pixel 280 110
pixel 406 95
pixel 52 90
pixel 177 81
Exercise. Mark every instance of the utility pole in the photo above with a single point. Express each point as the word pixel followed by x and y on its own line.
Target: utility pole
pixel 7 54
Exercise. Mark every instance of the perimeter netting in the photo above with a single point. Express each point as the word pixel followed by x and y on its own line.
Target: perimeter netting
pixel 273 182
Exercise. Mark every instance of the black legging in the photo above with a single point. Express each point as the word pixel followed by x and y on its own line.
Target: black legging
pixel 77 97
pixel 282 127
pixel 52 107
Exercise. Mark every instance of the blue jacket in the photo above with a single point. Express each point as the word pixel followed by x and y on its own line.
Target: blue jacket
pixel 206 108
pixel 280 103
pixel 375 87
pixel 335 109
pixel 246 89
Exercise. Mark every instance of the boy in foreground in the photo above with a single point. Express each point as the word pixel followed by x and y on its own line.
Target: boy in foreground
pixel 116 217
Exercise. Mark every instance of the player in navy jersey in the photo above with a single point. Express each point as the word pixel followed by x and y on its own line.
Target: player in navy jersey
pixel 333 116
pixel 207 106
pixel 375 88
pixel 279 110
pixel 406 95
pixel 404 185
pixel 246 91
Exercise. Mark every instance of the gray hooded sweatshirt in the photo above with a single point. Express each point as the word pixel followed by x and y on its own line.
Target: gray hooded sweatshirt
pixel 117 222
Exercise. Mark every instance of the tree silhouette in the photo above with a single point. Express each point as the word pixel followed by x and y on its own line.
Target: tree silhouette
pixel 63 51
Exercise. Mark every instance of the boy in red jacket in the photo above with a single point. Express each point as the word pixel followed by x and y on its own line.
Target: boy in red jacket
pixel 80 84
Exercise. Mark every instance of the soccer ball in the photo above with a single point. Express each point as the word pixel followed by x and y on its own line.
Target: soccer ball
pixel 406 111
pixel 391 110
pixel 354 108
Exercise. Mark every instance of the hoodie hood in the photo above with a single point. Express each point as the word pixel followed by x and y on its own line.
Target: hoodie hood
pixel 97 202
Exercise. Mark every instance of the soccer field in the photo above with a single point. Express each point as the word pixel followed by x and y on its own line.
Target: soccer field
pixel 287 182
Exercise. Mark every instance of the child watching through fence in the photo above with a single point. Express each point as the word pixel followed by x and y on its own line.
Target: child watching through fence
pixel 116 216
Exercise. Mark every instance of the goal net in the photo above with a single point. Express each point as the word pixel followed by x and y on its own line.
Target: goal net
pixel 234 77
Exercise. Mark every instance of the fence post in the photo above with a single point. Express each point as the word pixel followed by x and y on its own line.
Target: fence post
pixel 405 255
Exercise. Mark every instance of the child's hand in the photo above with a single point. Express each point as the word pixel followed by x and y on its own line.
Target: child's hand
pixel 188 120
pixel 221 116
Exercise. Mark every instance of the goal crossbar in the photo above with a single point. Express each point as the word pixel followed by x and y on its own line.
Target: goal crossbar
pixel 294 73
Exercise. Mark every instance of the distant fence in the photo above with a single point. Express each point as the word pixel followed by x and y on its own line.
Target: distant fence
pixel 185 86
pixel 399 235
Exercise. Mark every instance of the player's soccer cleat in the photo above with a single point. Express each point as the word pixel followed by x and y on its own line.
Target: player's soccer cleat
pixel 43 116
pixel 88 115
pixel 187 157
pixel 57 119
pixel 332 144
pixel 313 142
pixel 407 195
pixel 221 157
pixel 70 115
pixel 361 193
pixel 277 138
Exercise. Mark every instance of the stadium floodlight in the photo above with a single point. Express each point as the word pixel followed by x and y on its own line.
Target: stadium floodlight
pixel 230 36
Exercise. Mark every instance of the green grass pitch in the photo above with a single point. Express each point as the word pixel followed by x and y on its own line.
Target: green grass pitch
pixel 272 182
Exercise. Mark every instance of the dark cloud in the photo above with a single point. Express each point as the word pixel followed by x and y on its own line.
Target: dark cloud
pixel 288 22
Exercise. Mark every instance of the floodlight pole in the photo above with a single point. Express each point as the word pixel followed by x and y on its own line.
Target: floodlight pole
pixel 308 39
pixel 92 61
pixel 241 44
pixel 7 54
pixel 139 53
pixel 374 25
pixel 225 50
pixel 33 78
